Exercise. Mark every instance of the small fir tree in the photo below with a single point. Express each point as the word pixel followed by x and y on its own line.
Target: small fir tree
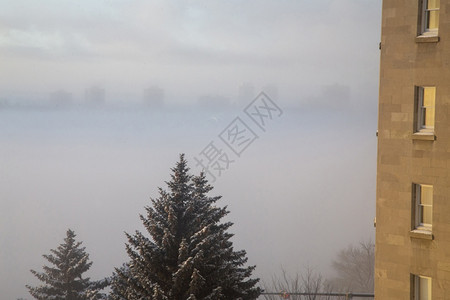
pixel 190 255
pixel 64 281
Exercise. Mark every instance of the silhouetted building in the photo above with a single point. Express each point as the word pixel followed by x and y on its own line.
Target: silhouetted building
pixel 60 98
pixel 154 97
pixel 246 93
pixel 95 96
pixel 4 102
pixel 271 90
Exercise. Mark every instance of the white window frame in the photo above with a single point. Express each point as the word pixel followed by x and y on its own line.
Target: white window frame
pixel 424 16
pixel 418 205
pixel 417 280
pixel 421 109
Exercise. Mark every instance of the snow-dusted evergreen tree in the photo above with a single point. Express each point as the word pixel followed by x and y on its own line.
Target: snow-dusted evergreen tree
pixel 63 280
pixel 189 255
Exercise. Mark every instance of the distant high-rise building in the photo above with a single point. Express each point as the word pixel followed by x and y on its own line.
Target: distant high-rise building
pixel 4 102
pixel 271 90
pixel 60 98
pixel 412 257
pixel 246 93
pixel 95 95
pixel 154 97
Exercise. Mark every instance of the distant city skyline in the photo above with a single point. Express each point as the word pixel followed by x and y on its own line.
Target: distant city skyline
pixel 186 48
pixel 153 95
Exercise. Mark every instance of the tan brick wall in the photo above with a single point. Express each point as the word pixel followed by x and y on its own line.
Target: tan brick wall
pixel 403 160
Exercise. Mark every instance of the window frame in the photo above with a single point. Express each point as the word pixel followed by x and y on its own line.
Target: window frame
pixel 416 284
pixel 424 18
pixel 420 110
pixel 418 206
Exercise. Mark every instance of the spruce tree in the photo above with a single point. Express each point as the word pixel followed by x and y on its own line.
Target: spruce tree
pixel 64 280
pixel 189 255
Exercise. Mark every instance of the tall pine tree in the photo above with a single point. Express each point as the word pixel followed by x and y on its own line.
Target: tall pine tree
pixel 189 255
pixel 64 280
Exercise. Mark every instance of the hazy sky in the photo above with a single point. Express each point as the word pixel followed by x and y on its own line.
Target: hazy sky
pixel 301 192
pixel 188 47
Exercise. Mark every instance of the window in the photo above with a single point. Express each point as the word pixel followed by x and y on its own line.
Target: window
pixel 421 287
pixel 425 108
pixel 423 206
pixel 429 17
